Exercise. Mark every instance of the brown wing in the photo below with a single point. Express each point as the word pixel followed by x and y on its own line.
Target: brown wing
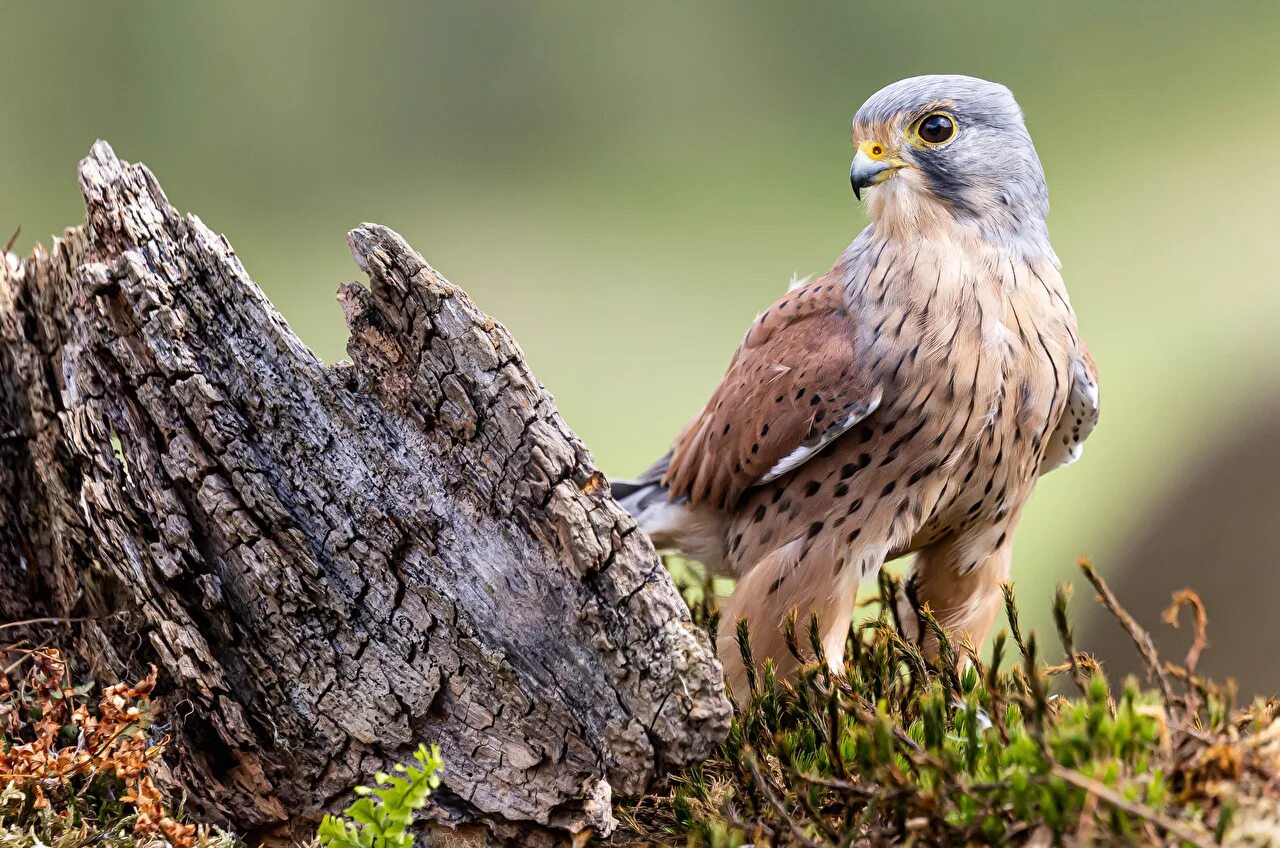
pixel 791 388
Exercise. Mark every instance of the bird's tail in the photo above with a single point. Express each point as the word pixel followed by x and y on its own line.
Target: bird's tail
pixel 646 491
pixel 672 525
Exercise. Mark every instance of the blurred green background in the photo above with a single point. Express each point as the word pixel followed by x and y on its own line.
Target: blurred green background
pixel 627 185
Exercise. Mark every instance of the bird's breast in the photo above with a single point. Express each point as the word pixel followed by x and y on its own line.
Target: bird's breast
pixel 975 355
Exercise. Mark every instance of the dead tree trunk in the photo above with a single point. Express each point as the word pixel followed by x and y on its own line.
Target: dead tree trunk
pixel 329 564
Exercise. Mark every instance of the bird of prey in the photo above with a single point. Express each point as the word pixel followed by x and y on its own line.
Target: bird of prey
pixel 905 401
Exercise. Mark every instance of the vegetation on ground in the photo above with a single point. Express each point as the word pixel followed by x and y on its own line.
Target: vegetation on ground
pixel 77 770
pixel 899 748
pixel 382 815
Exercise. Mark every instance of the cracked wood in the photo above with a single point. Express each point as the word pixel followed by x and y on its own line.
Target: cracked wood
pixel 329 563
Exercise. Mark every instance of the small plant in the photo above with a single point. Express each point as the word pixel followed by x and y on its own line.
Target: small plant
pixel 77 770
pixel 382 815
pixel 904 746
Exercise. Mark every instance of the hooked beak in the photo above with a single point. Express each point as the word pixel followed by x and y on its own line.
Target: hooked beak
pixel 871 164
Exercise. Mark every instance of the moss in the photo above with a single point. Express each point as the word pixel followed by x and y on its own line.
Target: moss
pixel 76 761
pixel 899 748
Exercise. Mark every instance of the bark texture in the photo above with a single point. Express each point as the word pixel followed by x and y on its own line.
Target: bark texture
pixel 329 564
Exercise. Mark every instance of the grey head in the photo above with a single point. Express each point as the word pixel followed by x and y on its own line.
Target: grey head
pixel 956 148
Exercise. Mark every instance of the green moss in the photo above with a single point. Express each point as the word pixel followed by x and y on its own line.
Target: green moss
pixel 22 826
pixel 899 748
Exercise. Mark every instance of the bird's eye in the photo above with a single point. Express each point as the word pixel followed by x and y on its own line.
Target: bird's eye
pixel 937 128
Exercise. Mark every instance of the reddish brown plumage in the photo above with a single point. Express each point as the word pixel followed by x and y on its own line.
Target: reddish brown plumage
pixel 793 379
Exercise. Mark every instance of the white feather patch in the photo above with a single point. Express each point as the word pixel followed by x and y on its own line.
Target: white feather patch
pixel 1066 444
pixel 812 446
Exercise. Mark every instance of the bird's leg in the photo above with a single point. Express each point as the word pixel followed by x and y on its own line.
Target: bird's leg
pixel 960 579
pixel 813 581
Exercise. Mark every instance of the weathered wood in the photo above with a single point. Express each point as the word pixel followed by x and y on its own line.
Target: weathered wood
pixel 329 564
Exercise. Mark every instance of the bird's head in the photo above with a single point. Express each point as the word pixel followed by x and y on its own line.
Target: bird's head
pixel 946 150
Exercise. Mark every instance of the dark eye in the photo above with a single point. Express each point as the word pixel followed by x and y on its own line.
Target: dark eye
pixel 936 129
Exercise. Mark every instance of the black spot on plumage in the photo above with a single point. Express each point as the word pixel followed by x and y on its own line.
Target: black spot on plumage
pixel 920 474
pixel 776 584
pixel 811 488
pixel 800 393
pixel 821 414
pixel 725 431
pixel 888 488
pixel 759 513
pixel 866 435
pixel 848 470
pixel 853 534
pixel 776 496
pixel 909 435
pixel 815 400
pixel 764 431
pixel 784 505
pixel 855 506
pixel 1000 541
pixel 815 528
pixel 841 490
pixel 755 447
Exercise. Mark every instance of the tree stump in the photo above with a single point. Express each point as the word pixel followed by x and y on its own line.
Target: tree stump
pixel 329 564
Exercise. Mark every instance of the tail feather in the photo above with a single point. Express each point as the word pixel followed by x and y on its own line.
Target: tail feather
pixel 644 491
pixel 671 524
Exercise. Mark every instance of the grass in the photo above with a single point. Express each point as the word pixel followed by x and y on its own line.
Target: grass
pixel 899 748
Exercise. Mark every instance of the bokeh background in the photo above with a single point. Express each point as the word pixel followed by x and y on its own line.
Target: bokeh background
pixel 626 185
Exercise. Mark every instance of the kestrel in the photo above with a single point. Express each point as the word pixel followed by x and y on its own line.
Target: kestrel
pixel 905 401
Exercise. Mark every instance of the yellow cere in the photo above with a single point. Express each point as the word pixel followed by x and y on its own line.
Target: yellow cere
pixel 874 149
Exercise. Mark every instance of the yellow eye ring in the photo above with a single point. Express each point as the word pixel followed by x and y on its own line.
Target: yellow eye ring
pixel 934 130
